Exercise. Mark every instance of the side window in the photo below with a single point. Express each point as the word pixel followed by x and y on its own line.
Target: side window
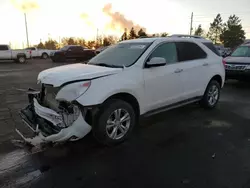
pixel 3 47
pixel 79 48
pixel 189 51
pixel 72 49
pixel 167 51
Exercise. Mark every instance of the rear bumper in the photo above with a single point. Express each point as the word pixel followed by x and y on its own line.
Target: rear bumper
pixel 230 74
pixel 45 123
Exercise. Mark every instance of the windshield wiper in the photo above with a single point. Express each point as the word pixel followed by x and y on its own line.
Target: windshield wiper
pixel 106 65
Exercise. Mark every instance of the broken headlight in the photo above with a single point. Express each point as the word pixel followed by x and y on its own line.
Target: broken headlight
pixel 72 91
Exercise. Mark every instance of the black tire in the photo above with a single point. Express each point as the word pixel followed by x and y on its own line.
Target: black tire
pixel 100 130
pixel 45 56
pixel 21 59
pixel 205 102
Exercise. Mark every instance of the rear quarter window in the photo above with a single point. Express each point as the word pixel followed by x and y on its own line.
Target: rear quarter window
pixel 211 47
pixel 188 51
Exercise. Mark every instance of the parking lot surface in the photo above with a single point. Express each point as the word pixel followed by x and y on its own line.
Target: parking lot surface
pixel 185 147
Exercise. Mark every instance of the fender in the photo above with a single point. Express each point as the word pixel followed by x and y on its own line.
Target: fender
pixel 103 88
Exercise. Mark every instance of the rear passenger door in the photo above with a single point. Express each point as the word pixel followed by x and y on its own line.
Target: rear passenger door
pixel 194 65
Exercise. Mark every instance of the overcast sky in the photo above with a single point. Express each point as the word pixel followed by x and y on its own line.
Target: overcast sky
pixel 59 18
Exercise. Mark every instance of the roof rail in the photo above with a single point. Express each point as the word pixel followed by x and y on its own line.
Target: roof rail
pixel 187 36
pixel 141 37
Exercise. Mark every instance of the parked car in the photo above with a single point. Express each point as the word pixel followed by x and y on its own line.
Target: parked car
pixel 41 53
pixel 238 63
pixel 72 52
pixel 100 49
pixel 6 53
pixel 130 79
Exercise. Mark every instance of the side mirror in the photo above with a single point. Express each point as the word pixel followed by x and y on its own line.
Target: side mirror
pixel 69 50
pixel 156 62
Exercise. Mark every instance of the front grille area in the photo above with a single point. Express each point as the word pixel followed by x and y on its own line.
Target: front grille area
pixel 69 111
pixel 49 97
pixel 235 67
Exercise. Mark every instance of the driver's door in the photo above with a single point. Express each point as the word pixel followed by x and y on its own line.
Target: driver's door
pixel 163 84
pixel 70 54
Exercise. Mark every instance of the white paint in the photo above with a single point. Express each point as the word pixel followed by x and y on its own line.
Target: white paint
pixel 79 129
pixel 12 54
pixel 152 87
pixel 47 113
pixel 157 86
pixel 59 75
pixel 35 52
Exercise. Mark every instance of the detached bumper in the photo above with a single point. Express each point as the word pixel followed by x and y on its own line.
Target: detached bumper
pixel 46 125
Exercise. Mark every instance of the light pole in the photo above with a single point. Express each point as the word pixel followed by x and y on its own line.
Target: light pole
pixel 27 35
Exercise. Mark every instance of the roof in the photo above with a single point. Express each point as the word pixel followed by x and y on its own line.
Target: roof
pixel 72 45
pixel 177 37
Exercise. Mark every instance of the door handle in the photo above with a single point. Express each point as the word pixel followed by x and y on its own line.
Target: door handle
pixel 205 64
pixel 178 70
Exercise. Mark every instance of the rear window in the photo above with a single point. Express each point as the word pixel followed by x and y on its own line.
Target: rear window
pixel 212 47
pixel 242 51
pixel 3 47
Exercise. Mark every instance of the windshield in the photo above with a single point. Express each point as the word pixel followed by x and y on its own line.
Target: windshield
pixel 65 48
pixel 120 55
pixel 242 51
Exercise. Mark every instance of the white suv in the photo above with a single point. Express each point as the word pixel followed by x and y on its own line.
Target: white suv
pixel 132 78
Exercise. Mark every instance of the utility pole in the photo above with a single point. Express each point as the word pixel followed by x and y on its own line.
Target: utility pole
pixel 191 24
pixel 97 35
pixel 59 42
pixel 27 35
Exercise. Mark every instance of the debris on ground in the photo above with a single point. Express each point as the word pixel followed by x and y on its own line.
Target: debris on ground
pixel 213 156
pixel 185 181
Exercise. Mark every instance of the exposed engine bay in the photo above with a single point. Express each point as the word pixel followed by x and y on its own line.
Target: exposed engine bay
pixel 52 120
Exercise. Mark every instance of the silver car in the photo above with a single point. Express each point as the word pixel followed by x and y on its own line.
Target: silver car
pixel 237 65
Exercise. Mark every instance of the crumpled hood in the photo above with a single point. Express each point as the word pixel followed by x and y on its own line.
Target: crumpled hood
pixel 237 59
pixel 62 74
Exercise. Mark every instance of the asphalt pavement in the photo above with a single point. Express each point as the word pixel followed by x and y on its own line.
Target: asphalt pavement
pixel 186 147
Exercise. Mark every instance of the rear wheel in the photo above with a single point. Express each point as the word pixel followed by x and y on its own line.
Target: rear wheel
pixel 21 59
pixel 212 95
pixel 45 56
pixel 114 122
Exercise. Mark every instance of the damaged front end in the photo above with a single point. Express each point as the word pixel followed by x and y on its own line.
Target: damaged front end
pixel 51 120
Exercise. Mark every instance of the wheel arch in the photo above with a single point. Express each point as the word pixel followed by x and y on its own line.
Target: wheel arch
pixel 129 98
pixel 218 78
pixel 21 55
pixel 44 54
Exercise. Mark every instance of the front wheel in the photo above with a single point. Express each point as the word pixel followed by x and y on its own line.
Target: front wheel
pixel 114 122
pixel 211 95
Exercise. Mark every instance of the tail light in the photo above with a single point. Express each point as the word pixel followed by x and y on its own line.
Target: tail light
pixel 224 62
